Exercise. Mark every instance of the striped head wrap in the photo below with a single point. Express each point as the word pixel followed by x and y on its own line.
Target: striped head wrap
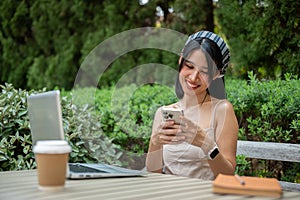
pixel 219 41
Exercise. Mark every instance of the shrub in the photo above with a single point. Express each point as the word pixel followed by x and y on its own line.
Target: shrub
pixel 242 165
pixel 267 111
pixel 15 145
pixel 80 127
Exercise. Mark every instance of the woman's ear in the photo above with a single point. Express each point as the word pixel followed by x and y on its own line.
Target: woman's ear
pixel 218 75
pixel 180 59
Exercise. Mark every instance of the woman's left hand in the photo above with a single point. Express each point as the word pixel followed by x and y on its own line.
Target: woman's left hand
pixel 195 135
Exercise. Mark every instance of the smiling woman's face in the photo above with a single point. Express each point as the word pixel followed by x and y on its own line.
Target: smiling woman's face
pixel 194 75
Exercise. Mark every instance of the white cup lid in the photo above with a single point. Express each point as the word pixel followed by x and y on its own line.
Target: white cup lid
pixel 52 147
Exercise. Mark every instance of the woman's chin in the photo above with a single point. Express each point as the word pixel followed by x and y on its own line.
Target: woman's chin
pixel 190 92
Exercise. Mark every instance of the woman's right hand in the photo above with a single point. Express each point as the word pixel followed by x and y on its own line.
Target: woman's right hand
pixel 167 132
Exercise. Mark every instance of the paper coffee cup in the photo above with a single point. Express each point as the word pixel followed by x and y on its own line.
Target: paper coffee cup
pixel 51 158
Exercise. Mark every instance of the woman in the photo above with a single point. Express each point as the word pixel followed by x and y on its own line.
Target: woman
pixel 204 143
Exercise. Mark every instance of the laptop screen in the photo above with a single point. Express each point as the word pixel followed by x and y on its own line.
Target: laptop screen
pixel 45 116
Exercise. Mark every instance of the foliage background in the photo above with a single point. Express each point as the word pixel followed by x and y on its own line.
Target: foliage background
pixel 43 43
pixel 264 36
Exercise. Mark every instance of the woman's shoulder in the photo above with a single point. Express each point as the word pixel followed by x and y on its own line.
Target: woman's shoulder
pixel 224 109
pixel 223 104
pixel 226 114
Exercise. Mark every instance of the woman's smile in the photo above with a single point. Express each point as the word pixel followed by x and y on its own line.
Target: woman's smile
pixel 192 85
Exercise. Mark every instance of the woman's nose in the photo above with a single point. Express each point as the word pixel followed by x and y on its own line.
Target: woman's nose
pixel 194 75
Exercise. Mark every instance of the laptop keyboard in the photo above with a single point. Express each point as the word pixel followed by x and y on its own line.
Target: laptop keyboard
pixel 84 169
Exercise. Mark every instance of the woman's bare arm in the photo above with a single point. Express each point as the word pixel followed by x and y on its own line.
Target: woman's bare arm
pixel 154 160
pixel 227 130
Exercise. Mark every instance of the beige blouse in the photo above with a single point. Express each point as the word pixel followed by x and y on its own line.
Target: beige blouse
pixel 187 160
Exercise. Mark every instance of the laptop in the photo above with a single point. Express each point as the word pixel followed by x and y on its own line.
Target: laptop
pixel 45 118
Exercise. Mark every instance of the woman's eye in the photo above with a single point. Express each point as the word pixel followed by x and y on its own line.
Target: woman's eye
pixel 189 65
pixel 203 72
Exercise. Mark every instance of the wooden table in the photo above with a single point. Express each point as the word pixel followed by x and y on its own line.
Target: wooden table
pixel 23 185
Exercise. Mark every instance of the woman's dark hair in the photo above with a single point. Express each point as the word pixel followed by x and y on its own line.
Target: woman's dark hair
pixel 214 58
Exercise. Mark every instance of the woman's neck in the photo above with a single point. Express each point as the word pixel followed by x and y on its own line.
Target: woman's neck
pixel 191 101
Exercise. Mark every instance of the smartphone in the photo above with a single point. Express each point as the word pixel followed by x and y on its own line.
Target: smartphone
pixel 169 113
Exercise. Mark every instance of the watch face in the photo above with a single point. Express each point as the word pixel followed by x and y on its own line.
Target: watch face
pixel 214 153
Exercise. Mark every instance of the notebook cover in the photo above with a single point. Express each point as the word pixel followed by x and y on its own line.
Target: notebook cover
pixel 254 186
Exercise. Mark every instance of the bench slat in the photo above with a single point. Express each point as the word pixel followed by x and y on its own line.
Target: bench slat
pixel 295 187
pixel 269 150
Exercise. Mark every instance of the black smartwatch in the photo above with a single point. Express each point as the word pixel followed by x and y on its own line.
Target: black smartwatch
pixel 213 153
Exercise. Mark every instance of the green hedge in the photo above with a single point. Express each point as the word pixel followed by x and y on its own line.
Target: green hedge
pixel 266 111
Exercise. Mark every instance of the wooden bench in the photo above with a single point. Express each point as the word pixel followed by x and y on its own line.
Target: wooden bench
pixel 272 151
